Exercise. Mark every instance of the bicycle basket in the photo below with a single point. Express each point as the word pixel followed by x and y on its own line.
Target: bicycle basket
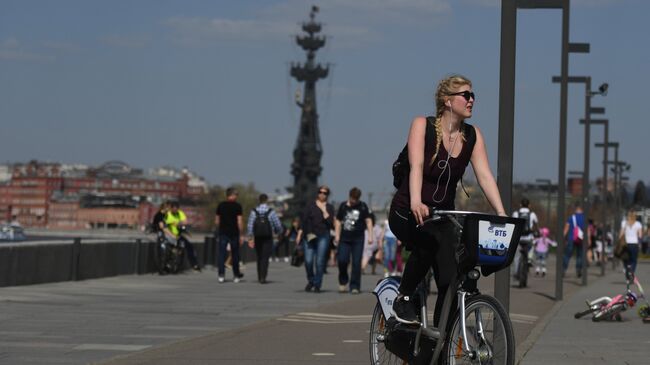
pixel 488 241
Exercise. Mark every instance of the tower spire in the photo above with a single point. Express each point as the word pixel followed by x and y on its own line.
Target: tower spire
pixel 307 153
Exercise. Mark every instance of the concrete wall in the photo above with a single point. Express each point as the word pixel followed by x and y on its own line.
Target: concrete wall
pixel 28 263
pixel 45 262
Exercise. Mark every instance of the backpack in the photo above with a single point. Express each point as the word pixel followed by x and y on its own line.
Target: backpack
pixel 401 167
pixel 525 215
pixel 262 224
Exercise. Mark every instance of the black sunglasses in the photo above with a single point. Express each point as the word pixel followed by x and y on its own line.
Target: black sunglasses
pixel 466 94
pixel 324 192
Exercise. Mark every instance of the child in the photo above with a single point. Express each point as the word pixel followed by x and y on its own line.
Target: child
pixel 541 250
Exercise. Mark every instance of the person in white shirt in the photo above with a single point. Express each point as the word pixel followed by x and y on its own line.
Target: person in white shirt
pixel 632 230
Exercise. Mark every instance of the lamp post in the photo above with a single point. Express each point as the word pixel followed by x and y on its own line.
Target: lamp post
pixel 615 163
pixel 603 211
pixel 602 90
pixel 548 199
pixel 507 113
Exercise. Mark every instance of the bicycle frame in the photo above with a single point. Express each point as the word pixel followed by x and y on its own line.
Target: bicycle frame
pixel 386 292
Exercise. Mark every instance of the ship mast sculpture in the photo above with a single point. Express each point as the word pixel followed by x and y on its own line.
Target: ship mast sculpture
pixel 306 167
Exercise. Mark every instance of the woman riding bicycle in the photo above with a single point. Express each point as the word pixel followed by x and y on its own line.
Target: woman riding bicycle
pixel 438 156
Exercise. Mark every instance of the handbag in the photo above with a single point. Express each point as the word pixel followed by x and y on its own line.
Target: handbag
pixel 297 257
pixel 620 251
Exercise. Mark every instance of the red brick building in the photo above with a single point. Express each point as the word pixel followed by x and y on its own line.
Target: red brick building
pixel 113 195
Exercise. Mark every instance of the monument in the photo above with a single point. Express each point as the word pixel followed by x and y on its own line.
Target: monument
pixel 306 167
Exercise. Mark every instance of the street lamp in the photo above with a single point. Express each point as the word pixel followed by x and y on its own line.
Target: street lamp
pixel 507 116
pixel 605 123
pixel 602 90
pixel 548 199
pixel 615 163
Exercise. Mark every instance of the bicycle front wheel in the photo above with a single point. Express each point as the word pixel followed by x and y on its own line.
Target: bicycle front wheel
pixel 379 354
pixel 488 334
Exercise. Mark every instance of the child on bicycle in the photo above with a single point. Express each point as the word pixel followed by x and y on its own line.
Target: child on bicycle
pixel 439 150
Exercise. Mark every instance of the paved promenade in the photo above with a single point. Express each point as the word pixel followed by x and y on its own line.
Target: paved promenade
pixel 565 340
pixel 190 318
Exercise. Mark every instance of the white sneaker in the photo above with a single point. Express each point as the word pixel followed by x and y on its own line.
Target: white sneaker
pixel 286 259
pixel 236 280
pixel 221 279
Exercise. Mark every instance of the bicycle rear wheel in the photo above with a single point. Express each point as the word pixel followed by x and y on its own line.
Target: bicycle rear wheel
pixel 489 335
pixel 379 354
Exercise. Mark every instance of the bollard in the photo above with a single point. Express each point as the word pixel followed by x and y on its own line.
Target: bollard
pixel 76 254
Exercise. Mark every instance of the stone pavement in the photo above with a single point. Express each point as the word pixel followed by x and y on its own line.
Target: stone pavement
pixel 565 340
pixel 190 318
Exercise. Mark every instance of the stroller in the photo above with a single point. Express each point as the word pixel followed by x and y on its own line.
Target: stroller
pixel 606 308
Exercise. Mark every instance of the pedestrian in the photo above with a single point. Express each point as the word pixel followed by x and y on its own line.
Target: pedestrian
pixel 436 166
pixel 370 249
pixel 282 245
pixel 230 230
pixel 352 219
pixel 525 241
pixel 316 222
pixel 574 239
pixel 263 222
pixel 542 244
pixel 591 231
pixel 389 246
pixel 631 231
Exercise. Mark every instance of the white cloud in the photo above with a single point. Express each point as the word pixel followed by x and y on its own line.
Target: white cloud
pixel 356 22
pixel 126 41
pixel 197 31
pixel 12 49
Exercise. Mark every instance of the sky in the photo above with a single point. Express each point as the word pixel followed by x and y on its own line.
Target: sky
pixel 206 85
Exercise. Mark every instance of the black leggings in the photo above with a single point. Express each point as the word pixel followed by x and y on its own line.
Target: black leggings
pixel 431 247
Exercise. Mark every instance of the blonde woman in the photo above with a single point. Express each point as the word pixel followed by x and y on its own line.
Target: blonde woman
pixel 436 166
pixel 631 230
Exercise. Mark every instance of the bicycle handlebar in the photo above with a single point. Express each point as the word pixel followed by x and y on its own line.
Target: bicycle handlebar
pixel 436 214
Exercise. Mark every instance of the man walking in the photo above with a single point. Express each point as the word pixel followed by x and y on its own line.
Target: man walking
pixel 525 241
pixel 230 226
pixel 352 218
pixel 575 237
pixel 263 222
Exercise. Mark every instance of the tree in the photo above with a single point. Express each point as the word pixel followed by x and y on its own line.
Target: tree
pixel 640 198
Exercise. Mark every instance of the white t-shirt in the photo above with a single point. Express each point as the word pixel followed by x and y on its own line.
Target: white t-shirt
pixel 631 232
pixel 533 221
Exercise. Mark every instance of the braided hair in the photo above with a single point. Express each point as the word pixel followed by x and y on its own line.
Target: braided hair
pixel 445 87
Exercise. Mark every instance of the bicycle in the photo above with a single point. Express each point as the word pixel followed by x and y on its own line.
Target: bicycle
pixel 479 331
pixel 607 308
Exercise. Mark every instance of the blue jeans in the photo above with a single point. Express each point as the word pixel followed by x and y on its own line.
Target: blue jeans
pixel 390 249
pixel 316 253
pixel 568 252
pixel 346 249
pixel 633 250
pixel 224 240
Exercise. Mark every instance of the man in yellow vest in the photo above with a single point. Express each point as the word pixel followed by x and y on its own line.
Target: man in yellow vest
pixel 174 219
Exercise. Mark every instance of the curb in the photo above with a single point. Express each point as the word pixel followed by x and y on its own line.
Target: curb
pixel 523 348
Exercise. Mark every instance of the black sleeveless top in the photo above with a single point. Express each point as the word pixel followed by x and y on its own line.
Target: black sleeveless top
pixel 436 176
